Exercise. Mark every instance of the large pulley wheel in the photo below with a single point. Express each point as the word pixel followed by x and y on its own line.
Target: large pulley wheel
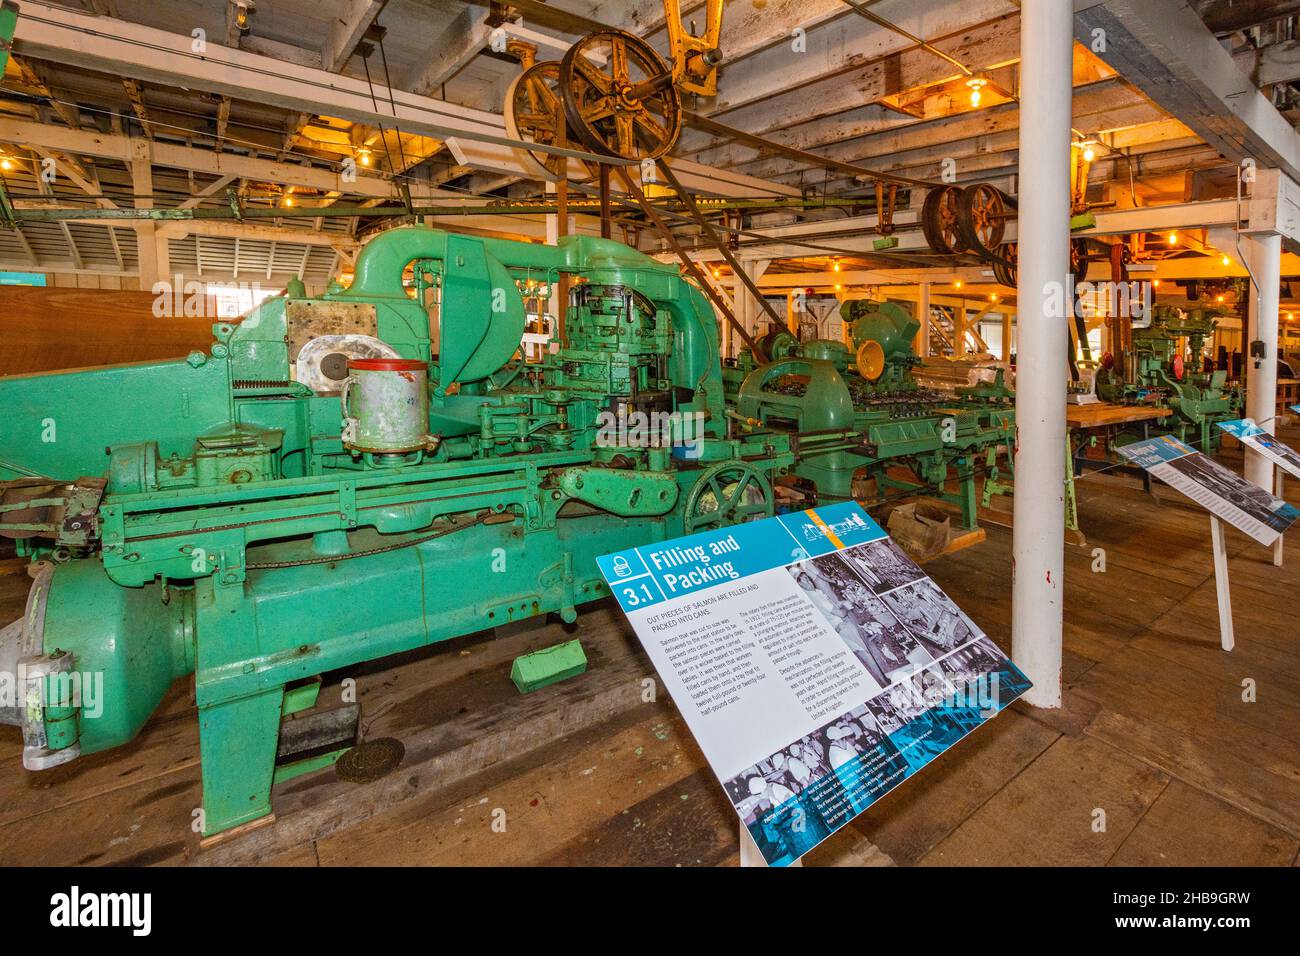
pixel 619 97
pixel 535 114
pixel 1004 266
pixel 981 219
pixel 939 219
pixel 726 494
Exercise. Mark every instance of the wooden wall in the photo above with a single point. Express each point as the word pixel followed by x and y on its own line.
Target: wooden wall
pixel 53 328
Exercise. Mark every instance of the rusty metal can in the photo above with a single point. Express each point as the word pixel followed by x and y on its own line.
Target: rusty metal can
pixel 386 405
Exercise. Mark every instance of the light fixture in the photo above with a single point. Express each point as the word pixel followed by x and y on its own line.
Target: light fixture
pixel 6 164
pixel 1155 283
pixel 1218 298
pixel 836 265
pixel 1226 261
pixel 976 84
pixel 1173 239
pixel 993 297
pixel 287 199
pixel 242 10
pixel 364 155
pixel 1086 148
pixel 717 273
pixel 956 284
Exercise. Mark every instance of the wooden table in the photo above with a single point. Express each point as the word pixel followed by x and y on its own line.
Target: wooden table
pixel 1099 414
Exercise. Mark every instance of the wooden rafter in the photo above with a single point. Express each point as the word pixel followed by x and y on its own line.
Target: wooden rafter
pixel 136 96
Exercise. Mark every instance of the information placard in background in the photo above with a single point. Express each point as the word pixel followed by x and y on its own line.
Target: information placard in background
pixel 1241 503
pixel 1252 436
pixel 816 664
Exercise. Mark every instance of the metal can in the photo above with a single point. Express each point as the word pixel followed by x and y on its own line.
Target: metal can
pixel 386 405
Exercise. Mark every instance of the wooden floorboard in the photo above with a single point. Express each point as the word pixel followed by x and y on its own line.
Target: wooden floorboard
pixel 1154 733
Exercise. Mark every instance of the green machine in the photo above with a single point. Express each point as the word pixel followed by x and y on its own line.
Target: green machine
pixel 861 411
pixel 330 483
pixel 1154 368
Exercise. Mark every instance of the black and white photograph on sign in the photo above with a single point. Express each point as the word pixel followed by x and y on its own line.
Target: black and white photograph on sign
pixel 969 664
pixel 875 636
pixel 897 706
pixel 1231 487
pixel 882 564
pixel 1285 454
pixel 931 617
pixel 844 742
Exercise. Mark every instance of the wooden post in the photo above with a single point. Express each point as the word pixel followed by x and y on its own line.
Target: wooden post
pixel 562 284
pixel 604 201
pixel 1226 639
pixel 923 313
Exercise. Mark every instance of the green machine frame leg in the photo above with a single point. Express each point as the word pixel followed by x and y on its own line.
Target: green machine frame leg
pixel 237 742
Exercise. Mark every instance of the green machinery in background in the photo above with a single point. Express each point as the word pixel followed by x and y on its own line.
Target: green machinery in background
pixel 223 515
pixel 1150 366
pixel 881 424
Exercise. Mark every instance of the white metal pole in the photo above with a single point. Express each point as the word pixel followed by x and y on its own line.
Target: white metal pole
pixel 1043 298
pixel 1264 255
pixel 1226 638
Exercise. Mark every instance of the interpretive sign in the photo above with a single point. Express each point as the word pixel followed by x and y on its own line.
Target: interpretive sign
pixel 817 665
pixel 1220 491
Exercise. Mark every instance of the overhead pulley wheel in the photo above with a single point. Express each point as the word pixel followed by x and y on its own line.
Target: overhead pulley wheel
pixel 981 219
pixel 535 114
pixel 619 97
pixel 939 219
pixel 1080 256
pixel 1004 266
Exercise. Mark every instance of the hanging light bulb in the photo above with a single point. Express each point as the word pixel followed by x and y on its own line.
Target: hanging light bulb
pixel 957 284
pixel 363 154
pixel 1173 239
pixel 976 85
pixel 1226 261
pixel 836 266
pixel 6 164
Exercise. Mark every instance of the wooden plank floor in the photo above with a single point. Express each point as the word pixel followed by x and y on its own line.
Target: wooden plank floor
pixel 1155 758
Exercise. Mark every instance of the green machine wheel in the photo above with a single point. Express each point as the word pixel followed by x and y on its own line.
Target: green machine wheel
pixel 726 494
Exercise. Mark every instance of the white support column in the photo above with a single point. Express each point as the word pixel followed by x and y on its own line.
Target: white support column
pixel 923 313
pixel 1038 543
pixel 1263 254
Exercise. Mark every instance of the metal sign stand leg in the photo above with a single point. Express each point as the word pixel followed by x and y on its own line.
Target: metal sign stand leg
pixel 1221 584
pixel 1278 544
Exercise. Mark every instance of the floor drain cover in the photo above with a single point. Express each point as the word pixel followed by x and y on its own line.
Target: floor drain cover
pixel 370 760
